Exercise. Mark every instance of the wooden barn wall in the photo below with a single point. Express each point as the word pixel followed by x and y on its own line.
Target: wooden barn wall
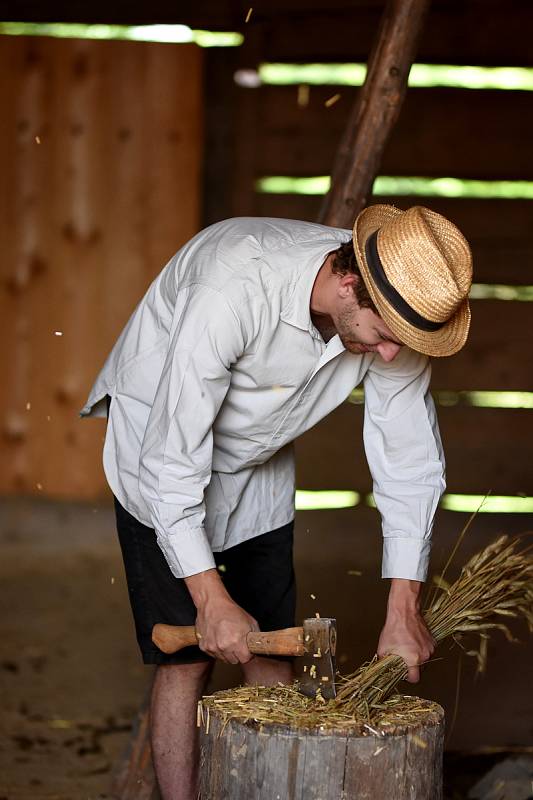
pixel 441 132
pixel 456 31
pixel 100 157
pixel 118 155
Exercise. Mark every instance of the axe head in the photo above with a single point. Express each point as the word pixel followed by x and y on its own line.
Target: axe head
pixel 317 666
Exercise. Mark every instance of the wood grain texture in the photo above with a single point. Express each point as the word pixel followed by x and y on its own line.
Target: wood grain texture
pixel 486 449
pixel 496 355
pixel 101 163
pixel 286 642
pixel 432 137
pixel 319 30
pixel 240 762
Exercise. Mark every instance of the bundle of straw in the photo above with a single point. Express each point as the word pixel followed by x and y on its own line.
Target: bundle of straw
pixel 495 583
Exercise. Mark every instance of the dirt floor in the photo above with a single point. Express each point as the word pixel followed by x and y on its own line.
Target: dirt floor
pixel 71 679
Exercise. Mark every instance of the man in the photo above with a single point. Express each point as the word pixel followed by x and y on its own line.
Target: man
pixel 253 332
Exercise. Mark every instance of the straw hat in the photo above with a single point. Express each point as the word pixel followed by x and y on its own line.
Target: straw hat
pixel 417 267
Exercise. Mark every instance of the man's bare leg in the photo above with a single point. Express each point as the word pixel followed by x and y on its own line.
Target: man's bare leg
pixel 267 671
pixel 175 694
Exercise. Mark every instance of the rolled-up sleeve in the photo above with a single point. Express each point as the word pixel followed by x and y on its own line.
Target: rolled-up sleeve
pixel 176 455
pixel 404 453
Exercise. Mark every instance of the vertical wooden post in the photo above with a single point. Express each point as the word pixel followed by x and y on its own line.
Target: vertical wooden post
pixel 375 112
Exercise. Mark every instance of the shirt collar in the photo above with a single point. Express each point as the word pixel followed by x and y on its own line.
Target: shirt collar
pixel 296 310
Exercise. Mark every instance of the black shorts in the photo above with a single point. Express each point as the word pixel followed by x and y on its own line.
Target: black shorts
pixel 257 573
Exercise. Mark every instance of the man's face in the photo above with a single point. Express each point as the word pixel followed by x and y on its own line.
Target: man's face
pixel 363 331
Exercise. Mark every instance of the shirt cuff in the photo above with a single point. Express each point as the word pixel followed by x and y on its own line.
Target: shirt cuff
pixel 187 552
pixel 405 557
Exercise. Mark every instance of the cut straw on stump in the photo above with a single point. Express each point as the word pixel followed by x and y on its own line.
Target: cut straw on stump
pixel 368 741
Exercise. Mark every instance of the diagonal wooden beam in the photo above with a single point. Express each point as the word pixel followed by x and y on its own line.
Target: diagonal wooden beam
pixel 375 111
pixel 133 777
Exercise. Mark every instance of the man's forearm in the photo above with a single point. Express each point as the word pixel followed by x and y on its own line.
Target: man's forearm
pixel 221 625
pixel 404 596
pixel 205 586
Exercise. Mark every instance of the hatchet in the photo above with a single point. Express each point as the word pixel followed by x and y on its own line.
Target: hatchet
pixel 315 643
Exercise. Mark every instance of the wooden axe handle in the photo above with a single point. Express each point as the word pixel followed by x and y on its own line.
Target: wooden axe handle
pixel 287 642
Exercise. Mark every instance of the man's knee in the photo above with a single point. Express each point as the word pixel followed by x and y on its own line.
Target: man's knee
pixel 267 671
pixel 195 674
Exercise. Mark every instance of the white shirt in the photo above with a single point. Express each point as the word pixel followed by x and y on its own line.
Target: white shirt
pixel 220 368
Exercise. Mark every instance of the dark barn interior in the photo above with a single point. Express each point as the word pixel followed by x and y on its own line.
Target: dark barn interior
pixel 113 154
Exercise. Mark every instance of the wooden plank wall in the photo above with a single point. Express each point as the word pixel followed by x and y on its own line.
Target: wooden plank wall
pixel 456 31
pixel 101 197
pixel 441 132
pixel 88 217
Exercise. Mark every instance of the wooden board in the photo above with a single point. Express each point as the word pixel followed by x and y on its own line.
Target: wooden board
pixel 486 450
pixel 433 136
pixel 93 212
pixel 496 355
pixel 457 31
pixel 453 32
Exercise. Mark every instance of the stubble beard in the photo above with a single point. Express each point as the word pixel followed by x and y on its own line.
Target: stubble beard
pixel 348 336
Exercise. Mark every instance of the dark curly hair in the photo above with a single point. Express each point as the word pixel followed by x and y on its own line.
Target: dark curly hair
pixel 344 262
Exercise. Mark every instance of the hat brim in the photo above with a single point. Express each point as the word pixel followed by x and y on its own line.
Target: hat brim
pixel 447 340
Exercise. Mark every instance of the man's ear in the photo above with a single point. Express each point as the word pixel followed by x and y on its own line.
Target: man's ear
pixel 347 286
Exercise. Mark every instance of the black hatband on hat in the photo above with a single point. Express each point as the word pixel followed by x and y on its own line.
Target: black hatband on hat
pixel 389 292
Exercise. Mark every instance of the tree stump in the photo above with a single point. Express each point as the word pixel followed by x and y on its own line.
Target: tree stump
pixel 248 761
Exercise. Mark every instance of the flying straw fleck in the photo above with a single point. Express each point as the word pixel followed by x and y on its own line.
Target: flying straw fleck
pixel 249 14
pixel 28 406
pixel 303 95
pixel 38 139
pixel 312 596
pixel 39 486
pixel 58 333
pixel 332 100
